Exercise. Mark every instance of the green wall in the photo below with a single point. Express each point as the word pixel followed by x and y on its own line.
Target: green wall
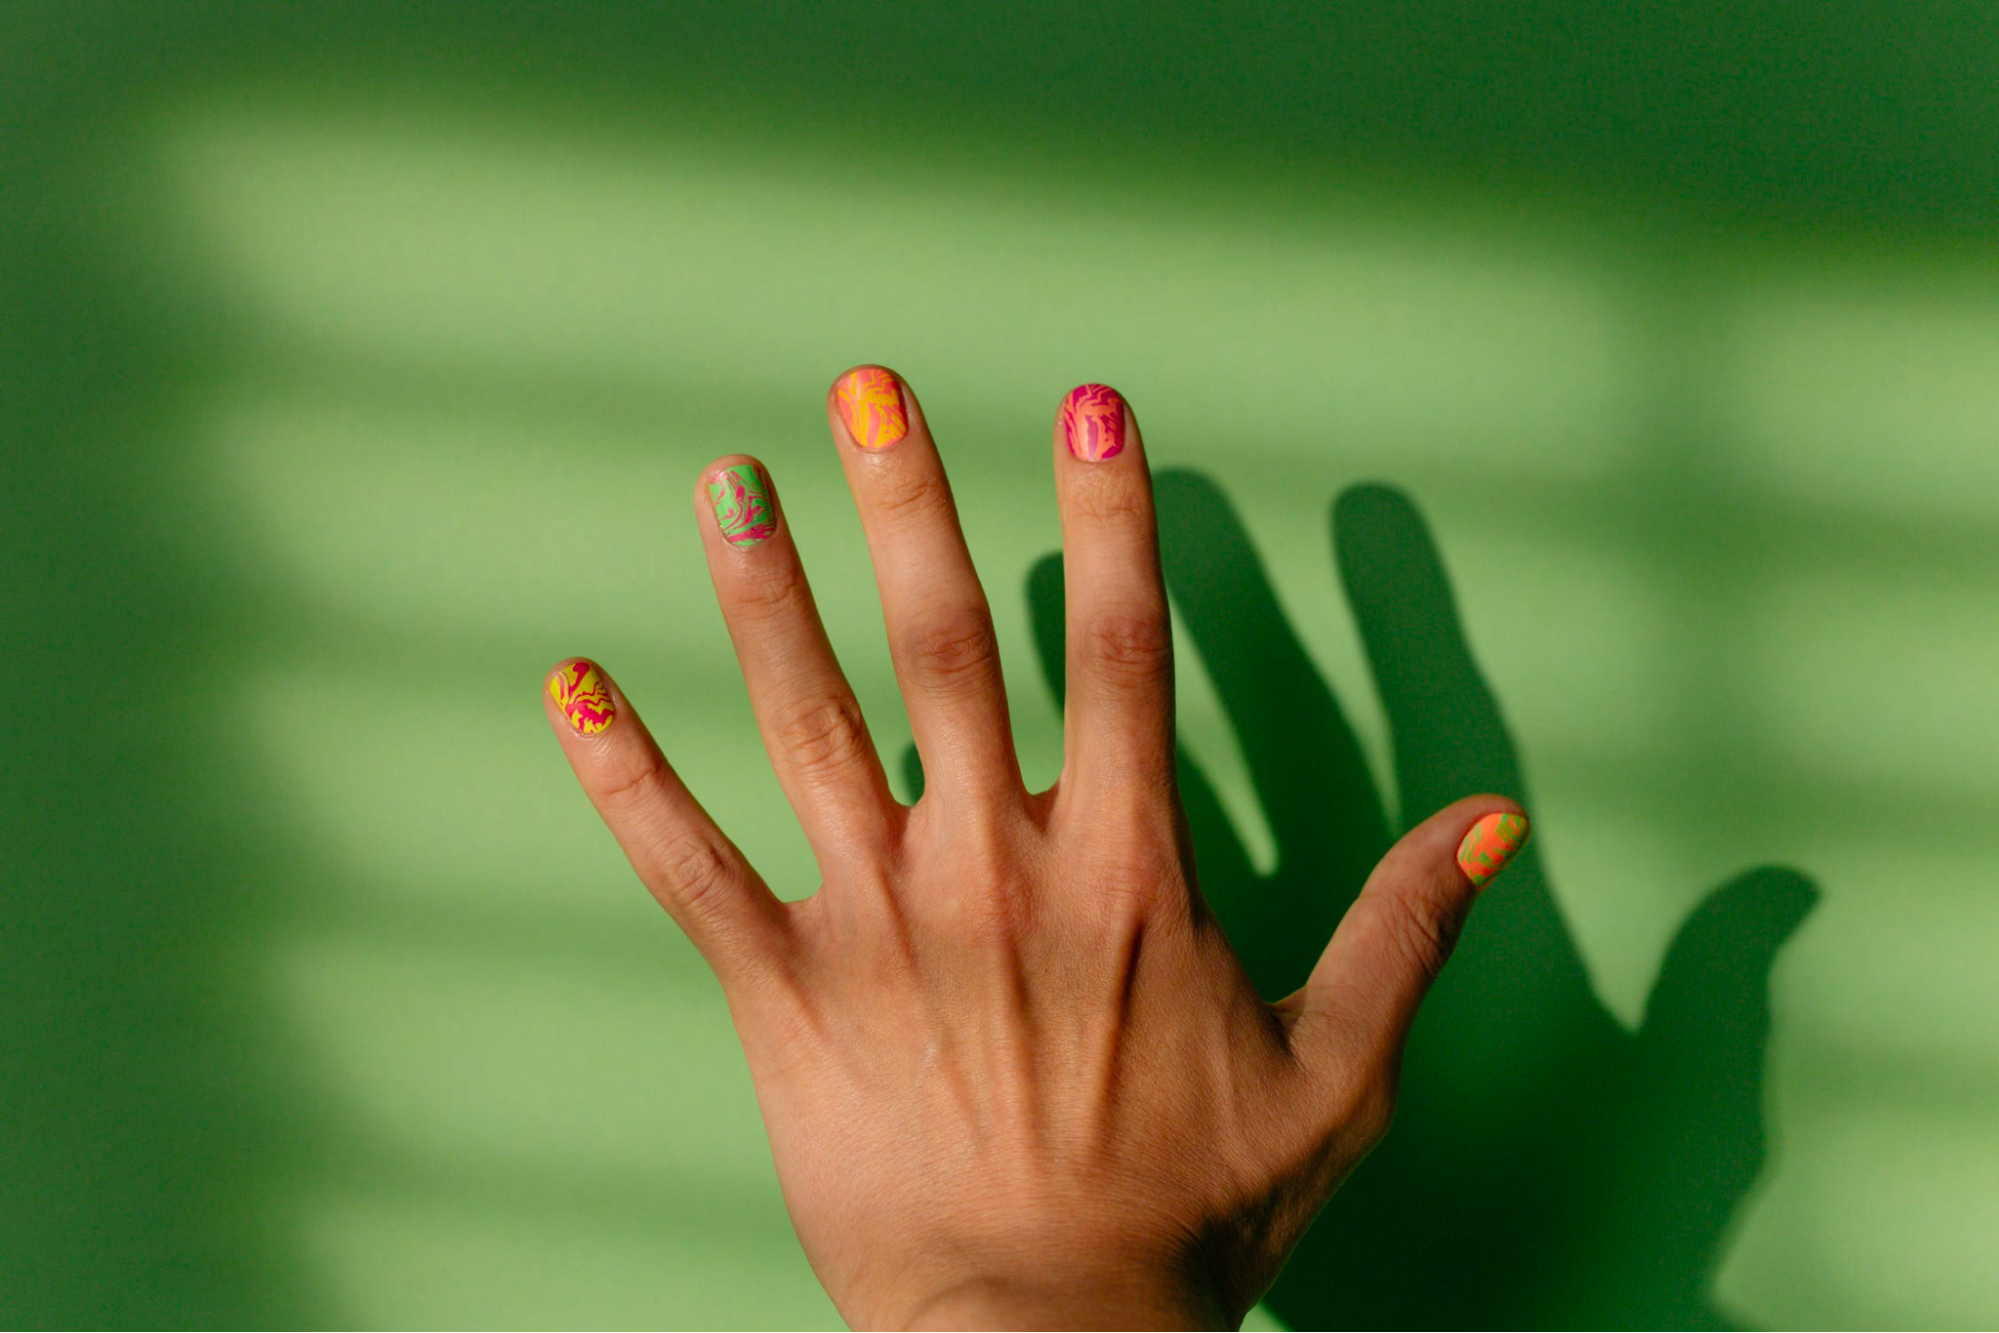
pixel 1594 402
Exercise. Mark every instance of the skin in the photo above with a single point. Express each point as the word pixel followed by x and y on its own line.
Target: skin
pixel 1012 1072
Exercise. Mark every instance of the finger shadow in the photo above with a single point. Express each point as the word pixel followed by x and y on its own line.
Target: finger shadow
pixel 1306 767
pixel 1548 1167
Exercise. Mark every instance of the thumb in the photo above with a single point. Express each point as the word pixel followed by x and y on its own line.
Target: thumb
pixel 1397 936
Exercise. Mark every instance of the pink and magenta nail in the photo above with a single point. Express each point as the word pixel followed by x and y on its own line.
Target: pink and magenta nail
pixel 1093 422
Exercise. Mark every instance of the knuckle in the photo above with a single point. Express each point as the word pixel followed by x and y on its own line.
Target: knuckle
pixel 823 734
pixel 994 904
pixel 1371 1111
pixel 1124 646
pixel 694 871
pixel 778 594
pixel 913 495
pixel 954 649
pixel 1422 932
pixel 1114 506
pixel 789 1032
pixel 635 789
pixel 1358 1095
pixel 1129 886
pixel 997 915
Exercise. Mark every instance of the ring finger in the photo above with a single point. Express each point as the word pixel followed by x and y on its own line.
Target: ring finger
pixel 811 723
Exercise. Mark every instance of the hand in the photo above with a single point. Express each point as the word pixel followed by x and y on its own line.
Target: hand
pixel 1011 1070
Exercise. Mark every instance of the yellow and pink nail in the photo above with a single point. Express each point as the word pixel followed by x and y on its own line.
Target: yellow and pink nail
pixel 870 402
pixel 582 696
pixel 1092 419
pixel 1492 843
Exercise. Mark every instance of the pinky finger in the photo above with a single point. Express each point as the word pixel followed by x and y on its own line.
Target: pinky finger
pixel 686 862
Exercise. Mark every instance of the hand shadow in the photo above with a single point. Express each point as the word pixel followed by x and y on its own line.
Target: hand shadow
pixel 1547 1168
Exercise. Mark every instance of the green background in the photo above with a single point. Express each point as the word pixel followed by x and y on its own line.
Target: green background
pixel 356 363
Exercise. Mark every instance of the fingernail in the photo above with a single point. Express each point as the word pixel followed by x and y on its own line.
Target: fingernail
pixel 743 510
pixel 583 696
pixel 1093 422
pixel 870 402
pixel 1490 845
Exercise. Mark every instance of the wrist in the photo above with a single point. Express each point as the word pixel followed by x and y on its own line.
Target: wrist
pixel 1118 1301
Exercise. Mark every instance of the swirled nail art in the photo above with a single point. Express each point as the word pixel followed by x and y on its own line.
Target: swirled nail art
pixel 583 696
pixel 871 404
pixel 1490 845
pixel 743 510
pixel 1093 422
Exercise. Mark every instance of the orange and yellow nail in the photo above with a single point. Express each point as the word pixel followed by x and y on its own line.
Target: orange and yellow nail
pixel 583 696
pixel 870 402
pixel 1491 843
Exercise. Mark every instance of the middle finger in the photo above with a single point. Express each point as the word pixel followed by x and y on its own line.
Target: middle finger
pixel 940 628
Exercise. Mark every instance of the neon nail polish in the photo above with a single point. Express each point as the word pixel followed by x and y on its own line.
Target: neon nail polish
pixel 870 402
pixel 743 510
pixel 583 696
pixel 1490 845
pixel 1093 422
